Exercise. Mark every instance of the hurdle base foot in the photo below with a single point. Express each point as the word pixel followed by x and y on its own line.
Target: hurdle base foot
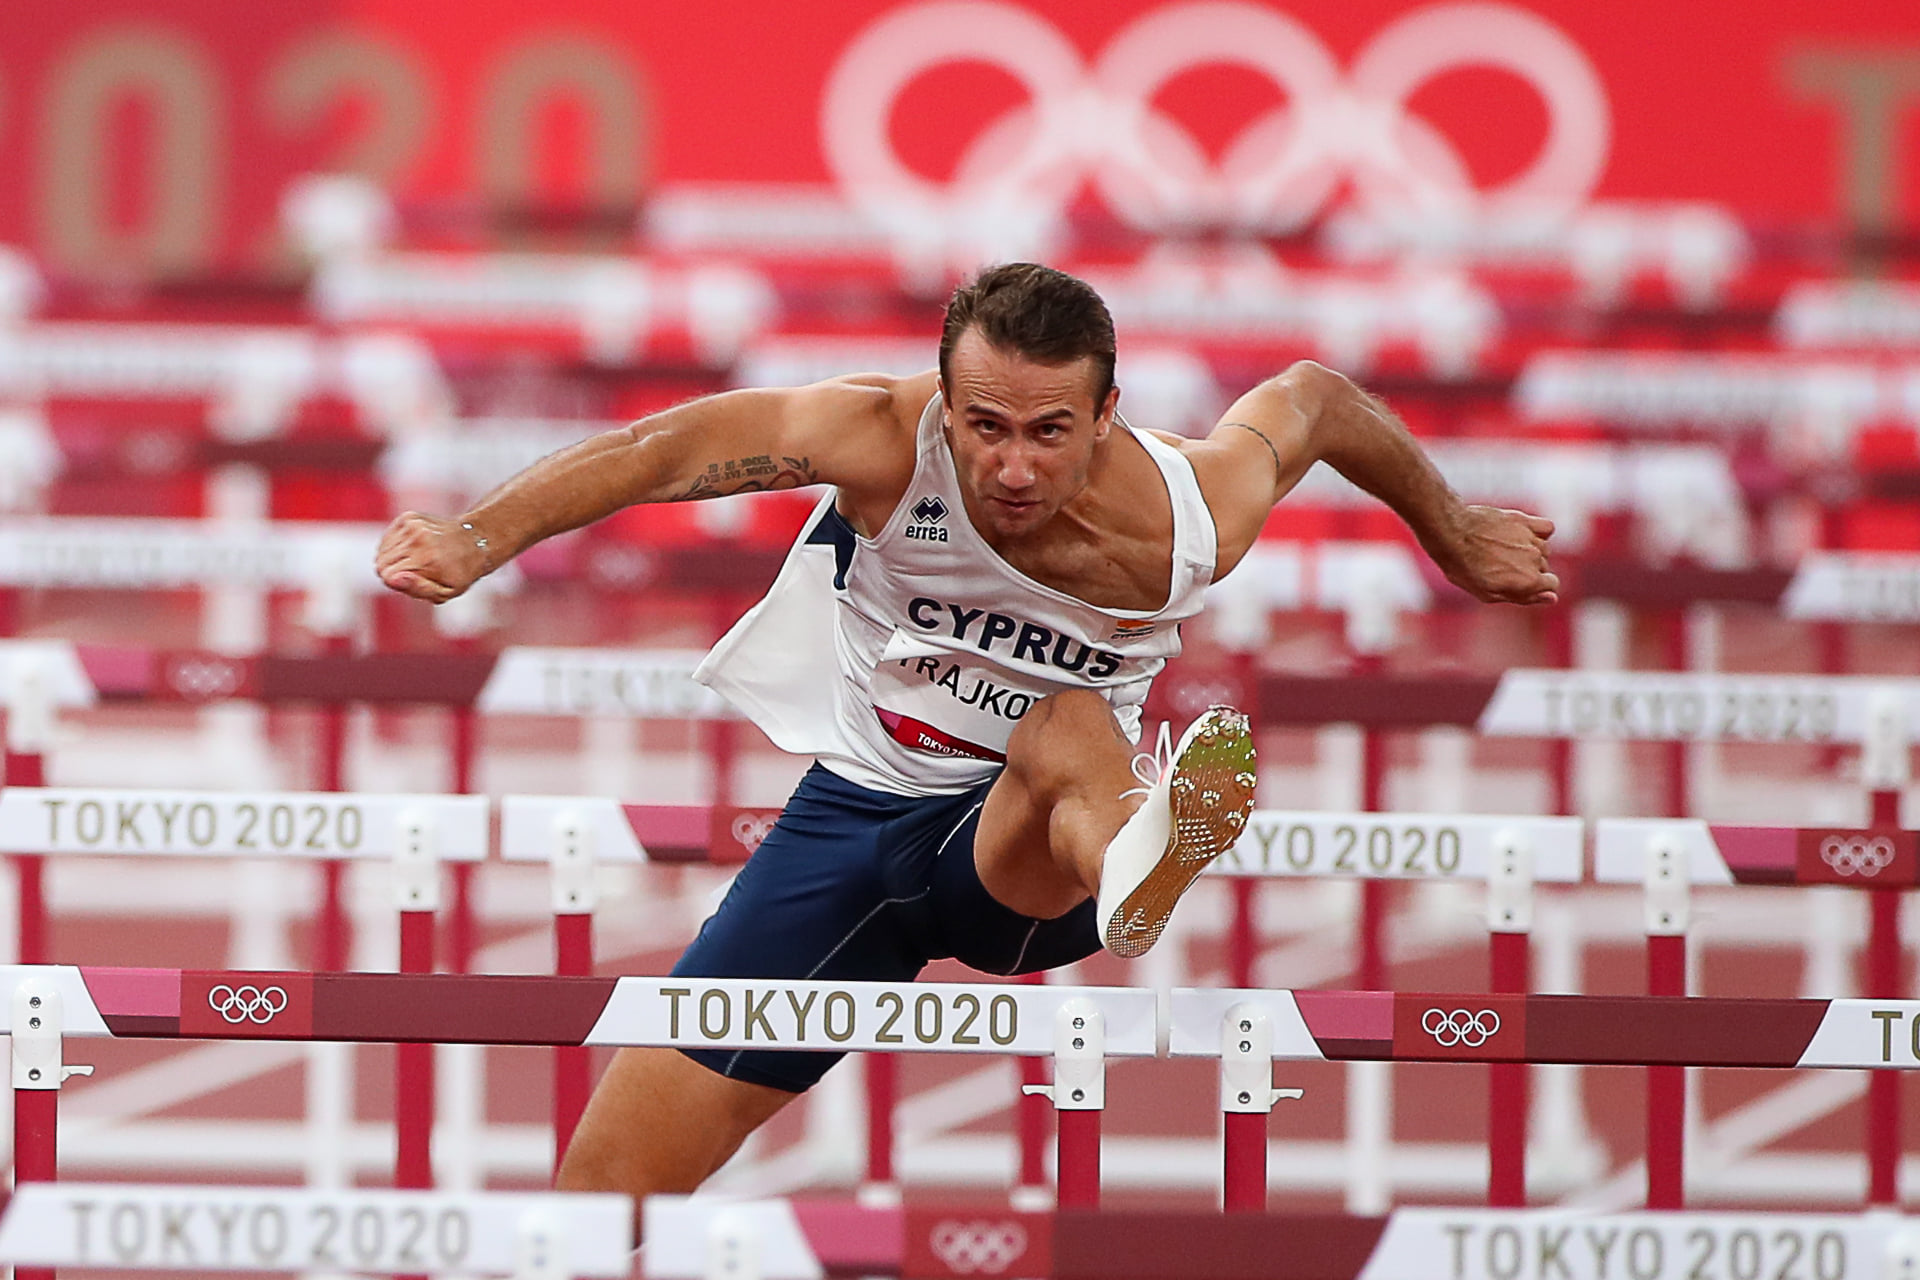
pixel 878 1195
pixel 1031 1199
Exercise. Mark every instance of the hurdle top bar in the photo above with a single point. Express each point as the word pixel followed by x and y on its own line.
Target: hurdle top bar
pixel 1414 1026
pixel 1276 843
pixel 805 1240
pixel 1401 846
pixel 524 680
pixel 518 680
pixel 144 553
pixel 1695 707
pixel 1716 854
pixel 117 1226
pixel 1855 586
pixel 693 1013
pixel 539 828
pixel 301 824
pixel 959 1017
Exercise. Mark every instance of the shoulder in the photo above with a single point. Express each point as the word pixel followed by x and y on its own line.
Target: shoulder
pixel 867 403
pixel 864 426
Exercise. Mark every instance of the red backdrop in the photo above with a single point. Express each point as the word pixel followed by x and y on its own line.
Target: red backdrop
pixel 136 133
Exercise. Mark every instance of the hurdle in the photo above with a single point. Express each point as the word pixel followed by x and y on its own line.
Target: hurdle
pixel 573 835
pixel 1077 1027
pixel 132 1227
pixel 323 562
pixel 40 678
pixel 417 833
pixel 1881 715
pixel 1670 857
pixel 1508 854
pixel 1242 1027
pixel 708 1238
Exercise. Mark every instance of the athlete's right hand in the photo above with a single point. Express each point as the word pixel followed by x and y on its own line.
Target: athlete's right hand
pixel 428 558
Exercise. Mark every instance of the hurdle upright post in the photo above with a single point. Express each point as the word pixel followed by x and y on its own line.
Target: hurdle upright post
pixel 463 619
pixel 1561 798
pixel 39 1070
pixel 1370 1084
pixel 1510 926
pixel 1247 1096
pixel 1079 1095
pixel 1030 1190
pixel 331 611
pixel 1243 928
pixel 1885 766
pixel 460 925
pixel 575 896
pixel 1371 959
pixel 1668 908
pixel 1677 632
pixel 29 706
pixel 416 864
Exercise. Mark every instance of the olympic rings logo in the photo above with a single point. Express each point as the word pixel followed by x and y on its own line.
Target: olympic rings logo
pixel 1857 855
pixel 204 679
pixel 1098 123
pixel 750 829
pixel 1461 1027
pixel 984 1248
pixel 258 1005
pixel 1189 699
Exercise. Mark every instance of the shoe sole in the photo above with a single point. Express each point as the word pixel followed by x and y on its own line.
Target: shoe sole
pixel 1208 816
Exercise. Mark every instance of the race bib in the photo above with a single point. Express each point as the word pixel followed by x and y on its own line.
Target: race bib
pixel 953 702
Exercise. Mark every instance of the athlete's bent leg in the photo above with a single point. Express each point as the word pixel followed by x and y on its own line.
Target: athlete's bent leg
pixel 661 1123
pixel 1059 824
pixel 1047 820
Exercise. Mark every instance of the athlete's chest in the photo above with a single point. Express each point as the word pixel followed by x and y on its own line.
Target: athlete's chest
pixel 1117 570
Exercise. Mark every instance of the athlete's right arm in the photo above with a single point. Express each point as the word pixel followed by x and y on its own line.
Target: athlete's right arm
pixel 856 433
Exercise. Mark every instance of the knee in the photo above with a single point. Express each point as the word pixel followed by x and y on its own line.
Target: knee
pixel 1058 731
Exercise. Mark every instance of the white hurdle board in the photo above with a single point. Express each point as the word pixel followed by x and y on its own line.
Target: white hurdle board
pixel 1692 707
pixel 1495 1244
pixel 47 670
pixel 1414 1244
pixel 147 553
pixel 931 1017
pixel 1400 846
pixel 536 828
pixel 309 824
pixel 1622 848
pixel 650 683
pixel 114 1226
pixel 1855 586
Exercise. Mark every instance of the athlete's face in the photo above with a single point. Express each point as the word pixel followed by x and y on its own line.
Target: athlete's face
pixel 1024 434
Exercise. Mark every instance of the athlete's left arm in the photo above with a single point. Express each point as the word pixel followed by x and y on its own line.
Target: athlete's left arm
pixel 1274 433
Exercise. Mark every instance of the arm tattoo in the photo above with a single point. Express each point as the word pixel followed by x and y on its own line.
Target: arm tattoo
pixel 1278 470
pixel 756 474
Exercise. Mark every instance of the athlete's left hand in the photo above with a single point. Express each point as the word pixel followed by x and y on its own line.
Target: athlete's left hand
pixel 1500 556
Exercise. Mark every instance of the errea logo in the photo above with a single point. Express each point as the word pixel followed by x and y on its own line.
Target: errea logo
pixel 927 515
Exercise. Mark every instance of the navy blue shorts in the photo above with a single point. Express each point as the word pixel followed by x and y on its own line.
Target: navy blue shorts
pixel 853 885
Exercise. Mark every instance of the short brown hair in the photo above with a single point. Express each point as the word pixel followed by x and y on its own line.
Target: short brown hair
pixel 1045 315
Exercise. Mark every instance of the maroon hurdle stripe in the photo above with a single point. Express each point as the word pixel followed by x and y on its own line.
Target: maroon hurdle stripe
pixel 1154 1246
pixel 385 1008
pixel 1847 856
pixel 140 674
pixel 1411 1026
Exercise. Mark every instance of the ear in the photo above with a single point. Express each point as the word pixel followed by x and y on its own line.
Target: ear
pixel 1103 421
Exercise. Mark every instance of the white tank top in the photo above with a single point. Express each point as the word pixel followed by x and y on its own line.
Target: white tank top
pixel 903 661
